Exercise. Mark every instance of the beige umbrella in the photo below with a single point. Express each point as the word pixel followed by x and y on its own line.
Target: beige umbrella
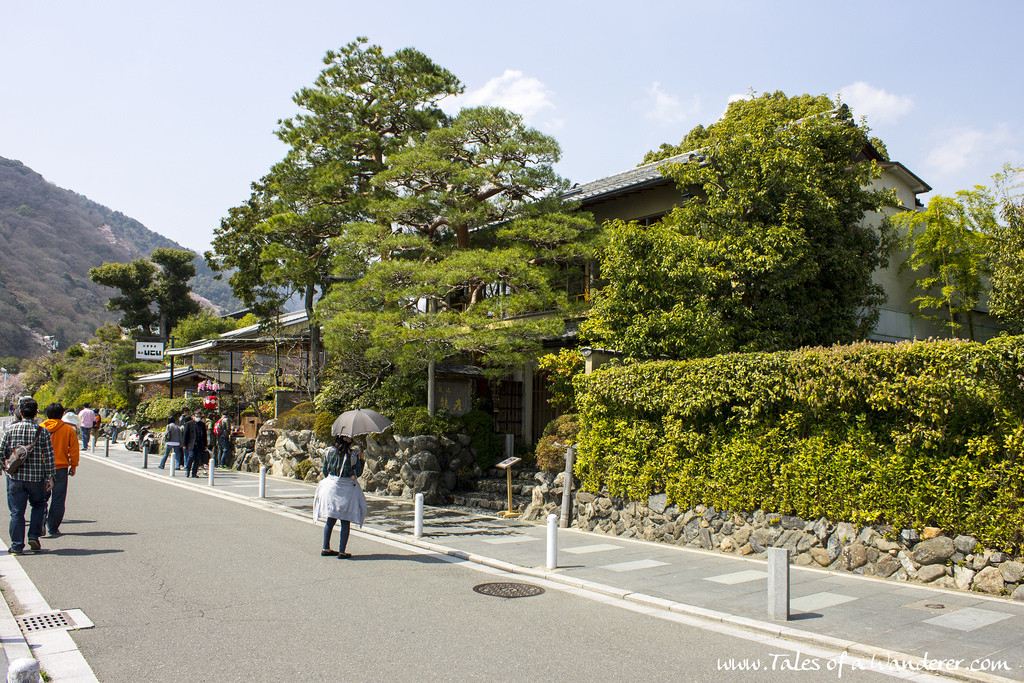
pixel 359 421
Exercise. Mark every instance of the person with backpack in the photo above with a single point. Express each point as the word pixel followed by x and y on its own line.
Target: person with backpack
pixel 26 454
pixel 64 437
pixel 222 432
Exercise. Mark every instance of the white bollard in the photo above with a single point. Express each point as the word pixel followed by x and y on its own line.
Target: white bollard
pixel 552 541
pixel 212 468
pixel 263 481
pixel 778 584
pixel 174 462
pixel 418 517
pixel 23 670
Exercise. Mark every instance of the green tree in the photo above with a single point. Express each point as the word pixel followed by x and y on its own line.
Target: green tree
pixel 362 108
pixel 948 244
pixel 153 292
pixel 770 252
pixel 203 325
pixel 472 250
pixel 1006 256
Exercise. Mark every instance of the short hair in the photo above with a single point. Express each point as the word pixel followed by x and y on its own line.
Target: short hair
pixel 54 411
pixel 28 407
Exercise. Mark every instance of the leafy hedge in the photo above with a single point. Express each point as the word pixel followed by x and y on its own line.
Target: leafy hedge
pixel 922 433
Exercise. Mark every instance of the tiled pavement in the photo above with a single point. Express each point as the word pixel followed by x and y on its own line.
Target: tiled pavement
pixel 864 616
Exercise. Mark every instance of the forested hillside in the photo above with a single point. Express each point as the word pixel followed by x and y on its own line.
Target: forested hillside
pixel 50 239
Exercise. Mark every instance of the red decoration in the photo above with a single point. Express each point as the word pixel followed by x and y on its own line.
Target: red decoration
pixel 210 402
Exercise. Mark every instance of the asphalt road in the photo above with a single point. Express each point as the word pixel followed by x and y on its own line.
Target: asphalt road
pixel 185 586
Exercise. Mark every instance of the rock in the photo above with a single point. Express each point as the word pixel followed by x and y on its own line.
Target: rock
pixel 845 533
pixel 710 513
pixel 935 550
pixel 854 556
pixel 658 502
pixel 745 549
pixel 1018 593
pixel 989 580
pixel 930 572
pixel 803 542
pixel 995 556
pixel 907 564
pixel 726 545
pixel 792 522
pixel 584 497
pixel 408 476
pixel 867 536
pixel 773 519
pixel 803 560
pixel 705 538
pixel 1012 571
pixel 965 544
pixel 821 529
pixel 980 562
pixel 821 556
pixel 691 529
pixel 908 536
pixel 930 532
pixel 741 535
pixel 963 577
pixel 886 565
pixel 603 505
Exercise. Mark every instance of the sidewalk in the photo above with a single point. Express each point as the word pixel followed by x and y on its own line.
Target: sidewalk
pixel 900 625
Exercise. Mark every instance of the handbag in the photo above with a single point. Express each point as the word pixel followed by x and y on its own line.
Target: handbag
pixel 19 455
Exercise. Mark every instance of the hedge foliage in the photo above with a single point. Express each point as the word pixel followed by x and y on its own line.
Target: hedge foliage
pixel 923 433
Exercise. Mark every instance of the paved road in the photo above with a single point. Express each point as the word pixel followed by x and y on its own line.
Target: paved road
pixel 185 586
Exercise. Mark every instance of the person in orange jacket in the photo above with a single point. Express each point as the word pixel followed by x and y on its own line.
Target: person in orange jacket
pixel 63 430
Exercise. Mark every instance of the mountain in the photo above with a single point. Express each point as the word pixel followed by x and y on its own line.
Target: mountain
pixel 49 239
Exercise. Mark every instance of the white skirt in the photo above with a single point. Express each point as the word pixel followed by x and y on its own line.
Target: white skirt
pixel 339 498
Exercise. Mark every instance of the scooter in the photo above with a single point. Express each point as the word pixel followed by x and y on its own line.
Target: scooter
pixel 141 436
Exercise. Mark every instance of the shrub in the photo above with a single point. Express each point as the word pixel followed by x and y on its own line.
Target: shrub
pixel 561 368
pixel 322 426
pixel 479 424
pixel 303 468
pixel 913 434
pixel 558 435
pixel 417 420
pixel 299 417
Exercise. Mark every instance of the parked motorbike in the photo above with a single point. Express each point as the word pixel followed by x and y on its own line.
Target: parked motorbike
pixel 142 436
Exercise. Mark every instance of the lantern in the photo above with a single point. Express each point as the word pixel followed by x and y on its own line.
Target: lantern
pixel 210 402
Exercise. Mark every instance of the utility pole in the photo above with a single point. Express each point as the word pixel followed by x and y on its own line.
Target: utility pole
pixel 170 382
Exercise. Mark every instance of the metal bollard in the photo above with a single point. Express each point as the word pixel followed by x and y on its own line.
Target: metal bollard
pixel 106 448
pixel 145 456
pixel 174 462
pixel 778 584
pixel 211 467
pixel 552 541
pixel 263 481
pixel 418 517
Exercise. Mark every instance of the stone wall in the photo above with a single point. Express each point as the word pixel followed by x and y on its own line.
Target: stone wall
pixel 395 465
pixel 882 551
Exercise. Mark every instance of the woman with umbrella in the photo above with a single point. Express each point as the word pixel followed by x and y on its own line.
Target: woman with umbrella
pixel 338 495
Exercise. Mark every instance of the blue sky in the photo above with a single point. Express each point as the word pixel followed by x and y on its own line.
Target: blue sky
pixel 166 111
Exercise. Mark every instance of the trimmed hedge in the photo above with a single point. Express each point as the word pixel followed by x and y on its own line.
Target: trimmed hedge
pixel 913 434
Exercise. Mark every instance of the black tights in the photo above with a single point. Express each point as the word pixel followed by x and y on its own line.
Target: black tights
pixel 329 527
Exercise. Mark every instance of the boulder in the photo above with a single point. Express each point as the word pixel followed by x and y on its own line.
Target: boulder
pixel 1012 571
pixel 989 580
pixel 929 573
pixel 930 532
pixel 854 556
pixel 934 550
pixel 792 522
pixel 845 533
pixel 963 577
pixel 821 556
pixel 965 544
pixel 886 566
pixel 1018 593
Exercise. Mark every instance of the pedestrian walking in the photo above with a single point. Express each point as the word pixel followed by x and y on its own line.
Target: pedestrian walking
pixel 64 437
pixel 338 497
pixel 172 444
pixel 86 418
pixel 116 425
pixel 31 482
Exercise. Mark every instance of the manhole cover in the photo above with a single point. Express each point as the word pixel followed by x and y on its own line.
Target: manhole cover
pixel 45 622
pixel 509 590
pixel 934 605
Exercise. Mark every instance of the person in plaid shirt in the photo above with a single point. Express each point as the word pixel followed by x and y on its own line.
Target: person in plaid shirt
pixel 32 483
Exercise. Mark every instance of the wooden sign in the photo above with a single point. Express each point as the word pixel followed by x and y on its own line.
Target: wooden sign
pixel 508 462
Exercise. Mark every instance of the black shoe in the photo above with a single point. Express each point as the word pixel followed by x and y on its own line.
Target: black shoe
pixel 327 552
pixel 54 534
pixel 344 556
pixel 34 543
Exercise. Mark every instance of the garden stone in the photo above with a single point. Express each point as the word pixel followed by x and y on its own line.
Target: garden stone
pixel 692 528
pixel 886 565
pixel 963 577
pixel 758 517
pixel 980 562
pixel 657 502
pixel 934 550
pixel 792 522
pixel 846 533
pixel 727 528
pixel 854 556
pixel 821 529
pixel 584 497
pixel 1018 593
pixel 705 538
pixel 726 545
pixel 989 580
pixel 803 560
pixel 742 535
pixel 929 573
pixel 930 532
pixel 995 556
pixel 965 544
pixel 745 549
pixel 821 556
pixel 804 542
pixel 1012 571
pixel 909 536
pixel 408 476
pixel 907 564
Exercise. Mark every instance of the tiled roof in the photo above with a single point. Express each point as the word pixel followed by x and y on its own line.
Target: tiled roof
pixel 633 179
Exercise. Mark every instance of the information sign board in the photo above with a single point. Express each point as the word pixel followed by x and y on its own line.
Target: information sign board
pixel 508 462
pixel 149 350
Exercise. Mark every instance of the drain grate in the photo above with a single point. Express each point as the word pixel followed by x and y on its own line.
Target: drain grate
pixel 509 590
pixel 46 622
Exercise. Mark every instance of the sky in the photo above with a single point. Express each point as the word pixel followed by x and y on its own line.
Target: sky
pixel 166 112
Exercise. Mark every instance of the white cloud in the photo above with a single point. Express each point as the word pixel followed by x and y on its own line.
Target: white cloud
pixel 664 108
pixel 522 94
pixel 879 106
pixel 967 148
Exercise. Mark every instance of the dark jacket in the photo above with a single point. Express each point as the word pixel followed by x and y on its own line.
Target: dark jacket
pixel 189 434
